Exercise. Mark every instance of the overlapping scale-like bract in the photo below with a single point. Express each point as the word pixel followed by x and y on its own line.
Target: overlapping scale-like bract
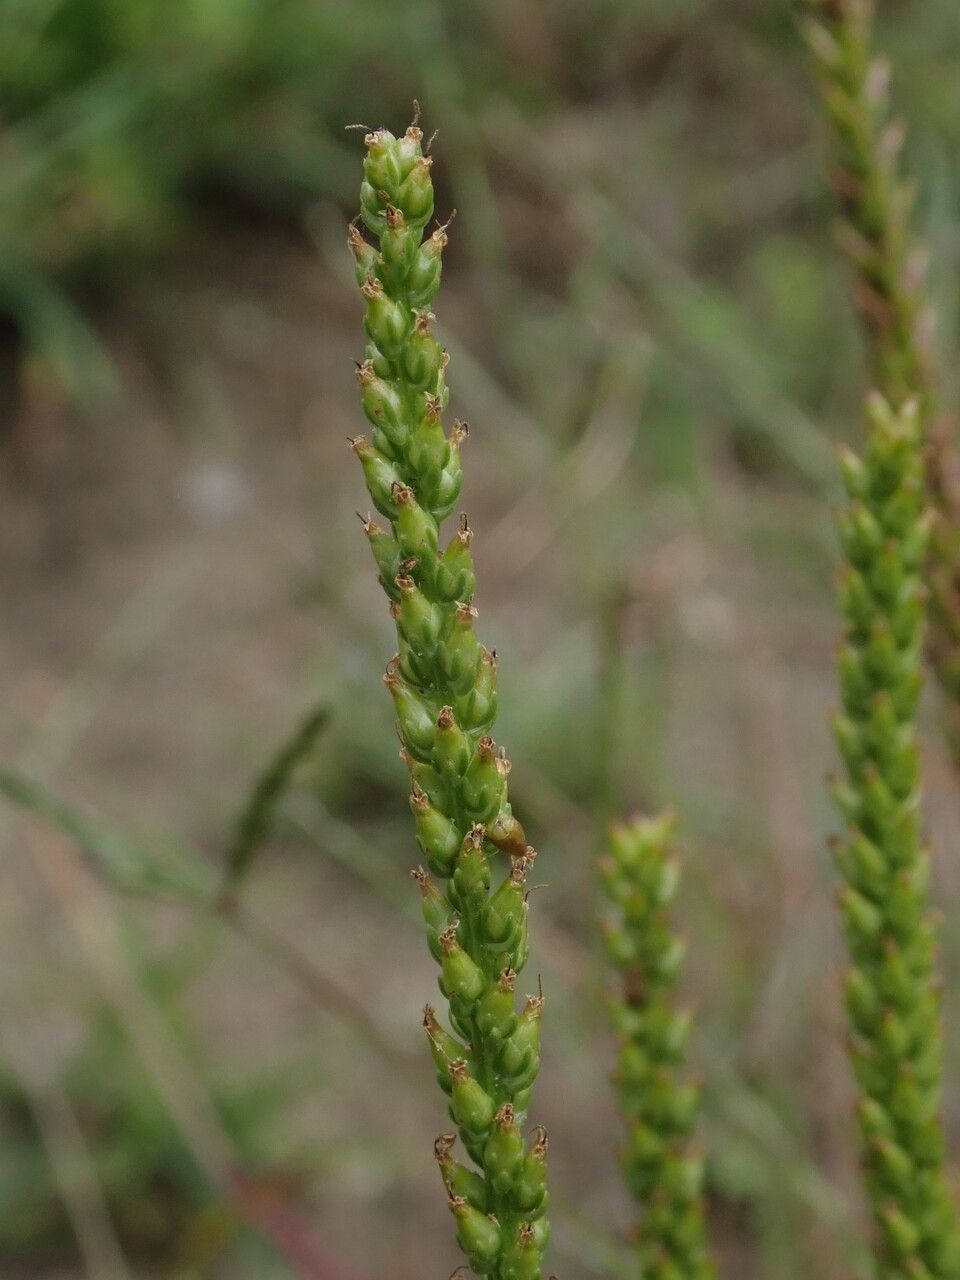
pixel 443 684
pixel 662 1169
pixel 889 273
pixel 891 994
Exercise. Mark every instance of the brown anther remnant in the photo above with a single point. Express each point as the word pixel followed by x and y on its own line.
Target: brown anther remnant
pixel 444 359
pixel 530 854
pixel 541 1142
pixel 485 749
pixel 464 532
pixel 503 764
pixel 518 871
pixel 458 1204
pixel 402 494
pixel 459 1069
pixel 421 802
pixel 458 433
pixel 534 1007
pixel 443 1145
pixel 407 566
pixel 476 835
pixel 404 584
pixel 422 323
pixel 370 526
pixel 505 1116
pixel 446 719
pixel 507 980
pixel 394 611
pixel 365 374
pixel 372 288
pixel 430 1024
pixel 355 241
pixel 448 939
pixel 423 162
pixel 391 677
pixel 421 877
pixel 374 137
pixel 525 1235
pixel 434 408
pixel 394 217
pixel 467 613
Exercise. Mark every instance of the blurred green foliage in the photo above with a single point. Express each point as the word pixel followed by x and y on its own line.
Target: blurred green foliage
pixel 653 327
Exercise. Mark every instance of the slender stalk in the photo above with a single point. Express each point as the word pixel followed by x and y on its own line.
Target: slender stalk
pixel 889 274
pixel 443 685
pixel 891 993
pixel 660 1165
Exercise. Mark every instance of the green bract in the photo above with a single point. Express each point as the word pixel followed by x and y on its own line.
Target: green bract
pixel 891 995
pixel 443 684
pixel 874 232
pixel 663 1172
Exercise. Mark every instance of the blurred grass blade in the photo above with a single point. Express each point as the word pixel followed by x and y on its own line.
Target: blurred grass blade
pixel 124 861
pixel 255 818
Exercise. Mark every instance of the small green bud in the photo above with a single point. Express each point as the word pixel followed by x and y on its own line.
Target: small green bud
pixel 855 477
pixel 381 166
pixel 902 1234
pixel 364 254
pixel 429 449
pixel 477 708
pixel 415 194
pixel 473 1108
pixel 398 245
pixel 417 727
pixel 437 911
pixel 387 322
pixel 530 1191
pixel 379 474
pixel 455 580
pixel 506 908
pixel 437 836
pixel 423 280
pixel 386 553
pixel 521 1258
pixel 863 920
pixel 521 1049
pixel 460 979
pixel 452 747
pixel 409 148
pixel 422 355
pixel 382 404
pixel 503 1154
pixel 471 876
pixel 418 620
pixel 484 782
pixel 445 1049
pixel 495 1015
pixel 459 657
pixel 860 535
pixel 457 1178
pixel 416 530
pixel 477 1233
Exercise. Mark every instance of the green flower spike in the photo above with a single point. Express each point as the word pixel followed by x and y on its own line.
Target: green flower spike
pixel 889 270
pixel 891 992
pixel 663 1171
pixel 443 685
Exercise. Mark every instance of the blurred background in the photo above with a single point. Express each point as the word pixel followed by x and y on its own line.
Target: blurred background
pixel 652 341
